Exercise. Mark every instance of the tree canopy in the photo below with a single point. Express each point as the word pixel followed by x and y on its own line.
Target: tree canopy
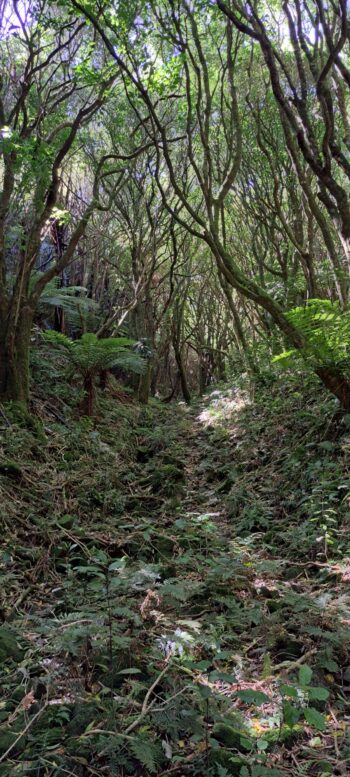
pixel 153 149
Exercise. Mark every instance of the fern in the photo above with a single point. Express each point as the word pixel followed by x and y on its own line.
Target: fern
pixel 149 754
pixel 326 330
pixel 72 300
pixel 90 355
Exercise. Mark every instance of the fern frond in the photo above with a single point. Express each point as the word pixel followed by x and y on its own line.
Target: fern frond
pixel 90 354
pixel 148 753
pixel 57 338
pixel 326 330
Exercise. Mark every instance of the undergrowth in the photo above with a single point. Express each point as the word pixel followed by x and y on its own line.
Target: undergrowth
pixel 175 588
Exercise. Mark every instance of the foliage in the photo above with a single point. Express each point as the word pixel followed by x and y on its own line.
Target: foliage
pixel 90 355
pixel 326 329
pixel 79 310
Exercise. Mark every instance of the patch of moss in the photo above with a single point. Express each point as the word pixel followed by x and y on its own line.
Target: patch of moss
pixel 9 648
pixel 232 737
pixel 10 469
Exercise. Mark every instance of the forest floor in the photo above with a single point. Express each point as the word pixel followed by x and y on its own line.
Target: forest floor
pixel 176 587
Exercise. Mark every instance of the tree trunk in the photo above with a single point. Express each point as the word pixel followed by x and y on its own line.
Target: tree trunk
pixel 103 379
pixel 337 384
pixel 88 404
pixel 145 385
pixel 202 371
pixel 221 368
pixel 182 374
pixel 14 362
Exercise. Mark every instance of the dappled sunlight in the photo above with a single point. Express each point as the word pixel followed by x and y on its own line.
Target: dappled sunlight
pixel 220 406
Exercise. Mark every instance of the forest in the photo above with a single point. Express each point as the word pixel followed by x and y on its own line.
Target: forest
pixel 175 388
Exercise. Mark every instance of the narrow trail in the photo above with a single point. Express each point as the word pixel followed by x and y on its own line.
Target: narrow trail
pixel 168 605
pixel 199 462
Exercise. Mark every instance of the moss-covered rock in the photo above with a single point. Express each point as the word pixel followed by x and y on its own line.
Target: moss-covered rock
pixel 232 737
pixel 284 734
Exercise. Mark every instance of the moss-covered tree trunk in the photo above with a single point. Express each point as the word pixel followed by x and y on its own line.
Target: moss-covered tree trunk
pixel 14 360
pixel 144 386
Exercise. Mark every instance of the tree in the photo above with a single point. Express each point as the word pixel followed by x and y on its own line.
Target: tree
pixel 302 73
pixel 212 115
pixel 48 95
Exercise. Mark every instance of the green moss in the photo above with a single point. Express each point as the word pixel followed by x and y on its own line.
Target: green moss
pixel 222 757
pixel 66 521
pixel 284 734
pixel 9 648
pixel 10 469
pixel 18 414
pixel 232 737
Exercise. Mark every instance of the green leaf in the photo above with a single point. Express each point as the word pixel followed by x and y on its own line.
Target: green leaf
pixel 246 743
pixel 90 570
pixel 200 665
pixel 118 564
pixel 148 753
pixel 290 714
pixel 284 356
pixel 319 693
pixel 315 719
pixel 315 742
pixel 305 675
pixel 289 690
pixel 204 691
pixel 262 744
pixel 228 678
pixel 253 697
pixel 221 771
pixel 130 670
pixel 326 445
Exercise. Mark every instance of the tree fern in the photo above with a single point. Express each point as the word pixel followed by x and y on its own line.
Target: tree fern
pixel 90 355
pixel 71 300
